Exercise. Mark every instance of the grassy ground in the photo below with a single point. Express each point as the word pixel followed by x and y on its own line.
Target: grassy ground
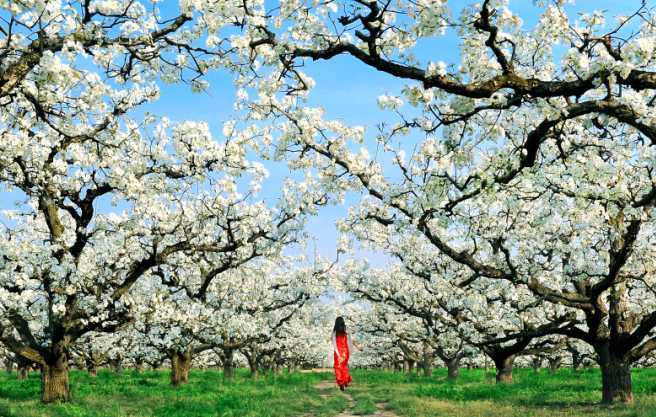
pixel 149 394
pixel 474 394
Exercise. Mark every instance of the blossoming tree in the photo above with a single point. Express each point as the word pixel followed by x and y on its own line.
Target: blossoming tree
pixel 511 124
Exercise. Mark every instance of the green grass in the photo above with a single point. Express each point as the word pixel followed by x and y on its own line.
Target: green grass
pixel 541 394
pixel 149 394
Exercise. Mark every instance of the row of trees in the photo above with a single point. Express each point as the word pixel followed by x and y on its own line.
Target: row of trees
pixel 516 188
pixel 286 345
pixel 124 218
pixel 258 316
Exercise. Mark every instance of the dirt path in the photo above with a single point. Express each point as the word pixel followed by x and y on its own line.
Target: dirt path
pixel 327 388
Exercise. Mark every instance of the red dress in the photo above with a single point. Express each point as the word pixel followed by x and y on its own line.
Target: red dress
pixel 341 371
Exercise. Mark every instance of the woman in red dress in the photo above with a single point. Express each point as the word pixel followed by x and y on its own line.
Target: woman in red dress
pixel 342 346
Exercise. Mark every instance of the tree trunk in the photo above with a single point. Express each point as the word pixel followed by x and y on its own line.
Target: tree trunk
pixel 252 366
pixel 9 366
pixel 228 364
pixel 139 366
pixel 615 375
pixel 536 363
pixel 554 363
pixel 22 373
pixel 504 367
pixel 292 367
pixel 616 381
pixel 576 361
pixel 453 368
pixel 486 365
pixel 54 377
pixel 180 366
pixel 91 366
pixel 117 365
pixel 428 365
pixel 408 365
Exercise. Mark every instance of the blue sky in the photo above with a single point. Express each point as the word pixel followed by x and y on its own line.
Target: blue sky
pixel 347 90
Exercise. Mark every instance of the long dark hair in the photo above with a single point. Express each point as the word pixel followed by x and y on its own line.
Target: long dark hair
pixel 340 326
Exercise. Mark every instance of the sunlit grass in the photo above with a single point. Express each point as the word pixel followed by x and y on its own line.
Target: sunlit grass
pixel 541 394
pixel 149 394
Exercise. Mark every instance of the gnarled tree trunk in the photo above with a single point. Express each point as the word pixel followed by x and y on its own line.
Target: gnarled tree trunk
pixel 576 361
pixel 554 363
pixel 251 358
pixel 91 366
pixel 54 377
pixel 615 372
pixel 616 382
pixel 139 366
pixel 428 365
pixel 408 365
pixel 504 365
pixel 252 366
pixel 117 365
pixel 180 366
pixel 9 365
pixel 22 373
pixel 453 367
pixel 615 377
pixel 228 358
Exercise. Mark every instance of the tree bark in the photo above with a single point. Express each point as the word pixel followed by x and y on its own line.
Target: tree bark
pixel 408 365
pixel 117 365
pixel 228 364
pixel 9 365
pixel 615 375
pixel 428 365
pixel 576 361
pixel 180 366
pixel 616 381
pixel 54 377
pixel 252 366
pixel 504 367
pixel 554 363
pixel 92 368
pixel 453 368
pixel 22 373
pixel 251 358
